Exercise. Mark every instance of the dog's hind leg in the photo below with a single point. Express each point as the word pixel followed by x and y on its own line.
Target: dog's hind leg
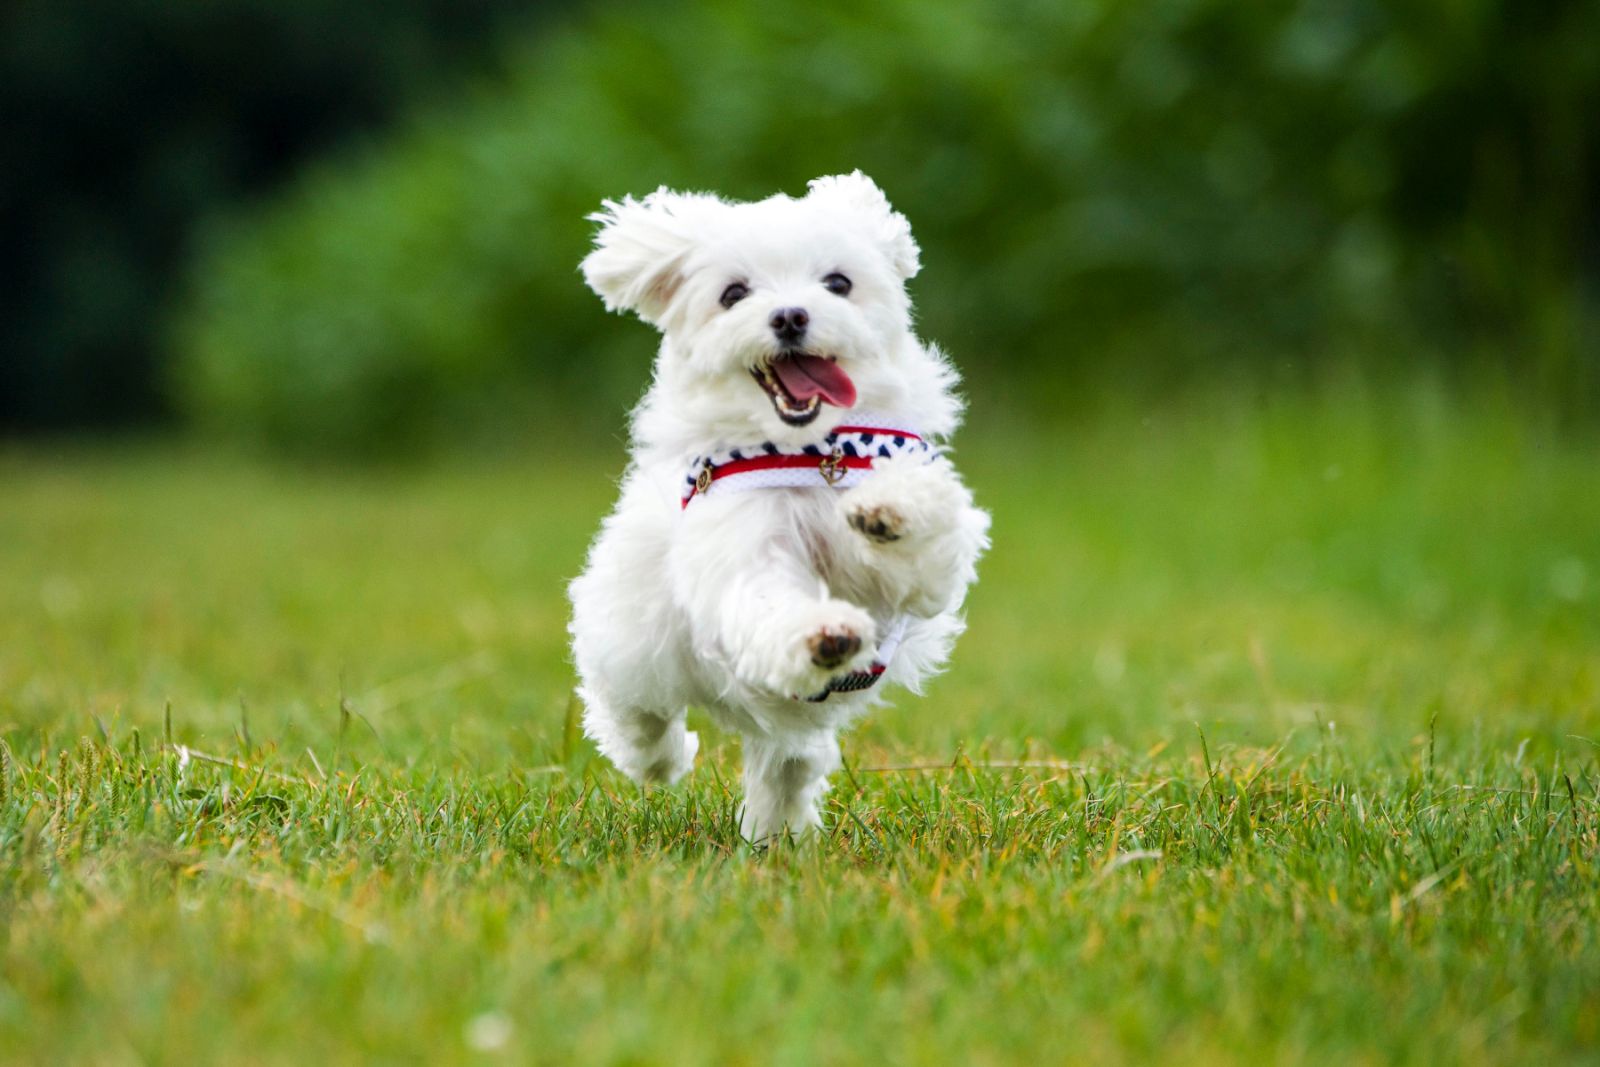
pixel 784 780
pixel 645 744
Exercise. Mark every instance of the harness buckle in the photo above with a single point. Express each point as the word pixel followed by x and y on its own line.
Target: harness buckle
pixel 832 467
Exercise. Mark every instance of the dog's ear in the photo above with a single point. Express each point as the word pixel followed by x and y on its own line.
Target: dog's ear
pixel 637 262
pixel 860 194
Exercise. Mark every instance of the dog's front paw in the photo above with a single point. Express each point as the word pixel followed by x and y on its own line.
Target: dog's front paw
pixel 797 653
pixel 878 522
pixel 829 647
pixel 904 500
pixel 919 533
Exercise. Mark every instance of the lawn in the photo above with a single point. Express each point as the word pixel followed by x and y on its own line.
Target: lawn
pixel 1276 737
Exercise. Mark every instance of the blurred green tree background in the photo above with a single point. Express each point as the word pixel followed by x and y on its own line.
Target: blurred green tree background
pixel 1115 201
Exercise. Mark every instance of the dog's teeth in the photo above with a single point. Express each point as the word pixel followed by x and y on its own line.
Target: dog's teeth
pixel 797 413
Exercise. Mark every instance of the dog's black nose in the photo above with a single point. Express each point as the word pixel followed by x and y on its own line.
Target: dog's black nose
pixel 789 323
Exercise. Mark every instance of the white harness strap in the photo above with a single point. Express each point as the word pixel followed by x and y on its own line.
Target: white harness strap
pixel 841 459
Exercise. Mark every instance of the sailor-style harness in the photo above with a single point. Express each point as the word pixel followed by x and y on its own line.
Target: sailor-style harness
pixel 841 460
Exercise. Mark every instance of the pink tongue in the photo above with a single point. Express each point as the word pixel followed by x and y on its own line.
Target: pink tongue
pixel 808 376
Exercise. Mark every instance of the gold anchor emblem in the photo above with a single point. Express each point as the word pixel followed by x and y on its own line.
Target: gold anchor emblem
pixel 833 468
pixel 702 481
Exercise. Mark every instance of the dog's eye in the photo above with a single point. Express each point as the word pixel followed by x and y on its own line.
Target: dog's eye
pixel 734 293
pixel 837 284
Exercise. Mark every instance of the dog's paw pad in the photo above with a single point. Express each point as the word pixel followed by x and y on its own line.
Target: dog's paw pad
pixel 879 522
pixel 830 648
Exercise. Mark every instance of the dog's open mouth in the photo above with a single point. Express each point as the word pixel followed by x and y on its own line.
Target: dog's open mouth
pixel 799 383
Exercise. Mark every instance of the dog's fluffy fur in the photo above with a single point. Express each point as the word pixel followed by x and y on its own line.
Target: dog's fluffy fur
pixel 742 601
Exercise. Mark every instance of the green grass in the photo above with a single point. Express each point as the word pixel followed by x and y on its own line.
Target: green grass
pixel 1275 737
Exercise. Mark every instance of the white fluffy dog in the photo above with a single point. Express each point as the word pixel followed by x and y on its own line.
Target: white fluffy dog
pixel 789 532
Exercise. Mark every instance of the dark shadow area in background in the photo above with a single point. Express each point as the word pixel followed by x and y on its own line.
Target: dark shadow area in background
pixel 128 121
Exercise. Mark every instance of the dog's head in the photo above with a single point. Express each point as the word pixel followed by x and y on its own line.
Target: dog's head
pixel 773 311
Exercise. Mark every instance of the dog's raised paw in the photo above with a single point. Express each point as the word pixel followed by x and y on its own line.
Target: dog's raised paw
pixel 830 648
pixel 878 522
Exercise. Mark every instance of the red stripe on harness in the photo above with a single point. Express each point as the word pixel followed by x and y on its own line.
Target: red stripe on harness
pixel 825 463
pixel 768 463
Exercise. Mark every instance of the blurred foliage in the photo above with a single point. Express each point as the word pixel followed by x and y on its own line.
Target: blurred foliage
pixel 1109 196
pixel 127 120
